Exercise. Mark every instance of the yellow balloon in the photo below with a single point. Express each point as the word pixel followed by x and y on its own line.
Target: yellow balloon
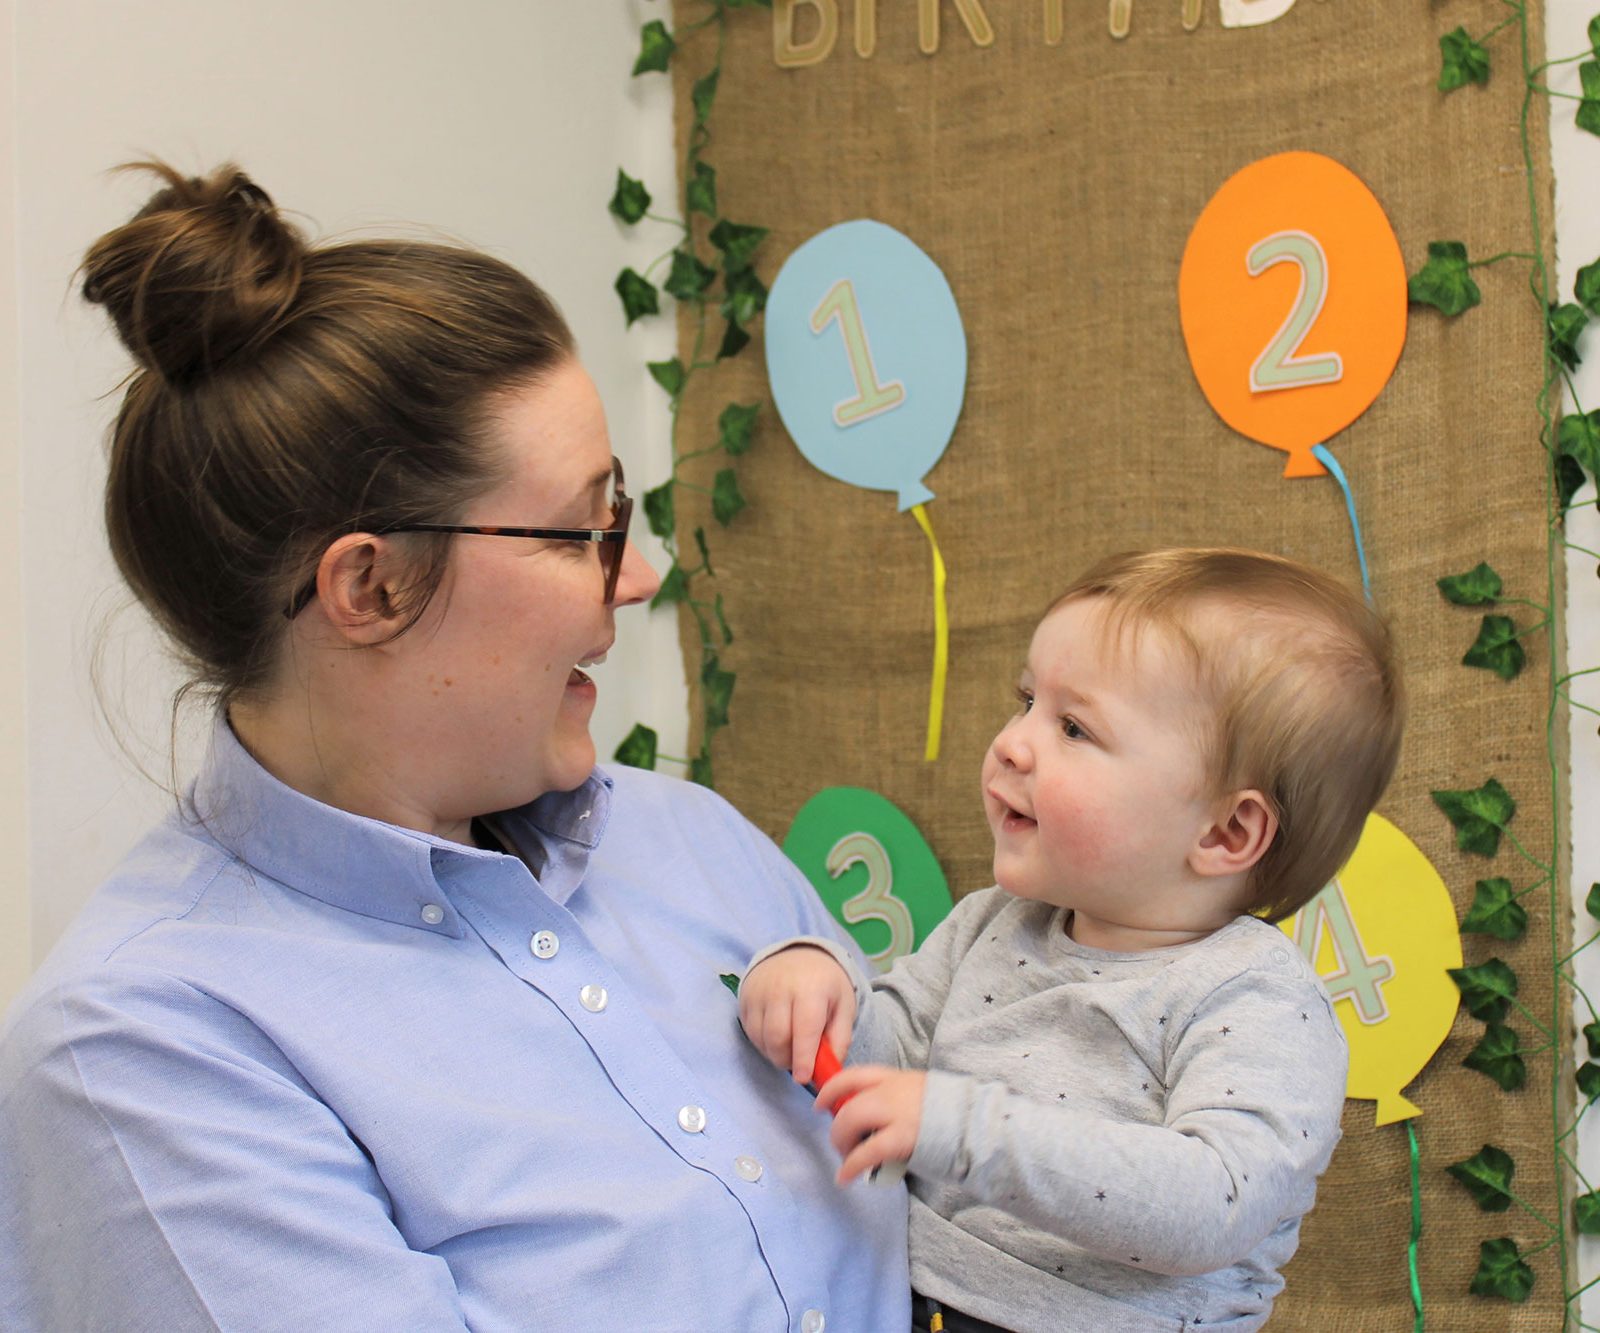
pixel 1381 936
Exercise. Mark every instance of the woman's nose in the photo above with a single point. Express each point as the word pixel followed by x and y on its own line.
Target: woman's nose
pixel 637 580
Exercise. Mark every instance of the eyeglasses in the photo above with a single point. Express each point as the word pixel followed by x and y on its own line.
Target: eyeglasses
pixel 613 540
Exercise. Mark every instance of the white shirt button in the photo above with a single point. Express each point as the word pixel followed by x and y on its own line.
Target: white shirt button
pixel 593 998
pixel 433 914
pixel 748 1168
pixel 812 1321
pixel 1280 956
pixel 545 944
pixel 691 1119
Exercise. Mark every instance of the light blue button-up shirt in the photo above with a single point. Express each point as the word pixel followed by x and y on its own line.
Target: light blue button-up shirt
pixel 297 1069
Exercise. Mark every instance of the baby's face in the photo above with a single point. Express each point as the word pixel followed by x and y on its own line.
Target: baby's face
pixel 1095 789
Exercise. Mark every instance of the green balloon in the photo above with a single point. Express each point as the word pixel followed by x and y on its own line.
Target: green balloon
pixel 872 867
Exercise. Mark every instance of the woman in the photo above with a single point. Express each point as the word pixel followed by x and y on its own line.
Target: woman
pixel 410 1018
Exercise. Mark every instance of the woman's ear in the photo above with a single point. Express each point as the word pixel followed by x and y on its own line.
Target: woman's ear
pixel 1244 828
pixel 358 579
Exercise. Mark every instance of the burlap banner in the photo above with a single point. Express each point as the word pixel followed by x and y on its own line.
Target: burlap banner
pixel 1054 175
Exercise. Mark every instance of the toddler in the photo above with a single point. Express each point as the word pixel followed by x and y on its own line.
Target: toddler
pixel 1116 1083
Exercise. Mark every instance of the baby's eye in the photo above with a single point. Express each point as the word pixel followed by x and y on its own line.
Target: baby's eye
pixel 1071 730
pixel 1024 699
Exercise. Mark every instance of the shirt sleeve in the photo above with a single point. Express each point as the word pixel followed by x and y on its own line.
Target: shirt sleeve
pixel 1255 1089
pixel 162 1165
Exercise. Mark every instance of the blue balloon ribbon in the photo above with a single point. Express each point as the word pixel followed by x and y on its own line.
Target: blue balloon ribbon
pixel 1324 455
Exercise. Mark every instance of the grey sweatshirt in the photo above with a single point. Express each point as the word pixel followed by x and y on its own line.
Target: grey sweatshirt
pixel 1115 1142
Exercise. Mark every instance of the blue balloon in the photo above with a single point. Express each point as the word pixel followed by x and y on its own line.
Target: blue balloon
pixel 867 357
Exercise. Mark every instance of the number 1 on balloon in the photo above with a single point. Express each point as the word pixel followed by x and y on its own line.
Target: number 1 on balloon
pixel 872 398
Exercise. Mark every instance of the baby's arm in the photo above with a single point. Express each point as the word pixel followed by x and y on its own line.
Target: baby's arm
pixel 1256 1087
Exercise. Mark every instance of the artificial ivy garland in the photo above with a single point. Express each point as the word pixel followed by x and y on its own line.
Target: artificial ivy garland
pixel 691 281
pixel 1481 815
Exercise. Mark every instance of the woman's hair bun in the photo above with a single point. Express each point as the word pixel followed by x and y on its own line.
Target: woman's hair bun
pixel 206 270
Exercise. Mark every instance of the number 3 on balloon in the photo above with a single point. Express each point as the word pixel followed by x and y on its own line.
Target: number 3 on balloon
pixel 1278 367
pixel 871 396
pixel 876 902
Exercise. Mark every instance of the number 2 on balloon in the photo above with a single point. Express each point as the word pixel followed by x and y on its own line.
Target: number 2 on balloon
pixel 872 397
pixel 1280 366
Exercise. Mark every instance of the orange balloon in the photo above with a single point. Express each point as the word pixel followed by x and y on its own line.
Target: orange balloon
pixel 1292 296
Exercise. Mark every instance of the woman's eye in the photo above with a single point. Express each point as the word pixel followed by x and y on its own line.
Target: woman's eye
pixel 1071 730
pixel 1024 699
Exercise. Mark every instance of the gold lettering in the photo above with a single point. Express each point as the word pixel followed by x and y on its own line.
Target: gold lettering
pixel 866 27
pixel 1052 22
pixel 1253 13
pixel 970 12
pixel 1122 16
pixel 791 54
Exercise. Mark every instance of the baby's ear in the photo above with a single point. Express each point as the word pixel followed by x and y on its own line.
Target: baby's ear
pixel 1239 836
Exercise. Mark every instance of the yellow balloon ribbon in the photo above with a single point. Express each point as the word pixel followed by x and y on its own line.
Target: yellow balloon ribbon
pixel 941 640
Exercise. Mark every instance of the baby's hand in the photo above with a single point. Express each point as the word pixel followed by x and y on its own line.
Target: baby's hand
pixel 789 1002
pixel 882 1120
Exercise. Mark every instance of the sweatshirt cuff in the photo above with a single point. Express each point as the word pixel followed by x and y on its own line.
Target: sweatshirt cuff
pixel 940 1153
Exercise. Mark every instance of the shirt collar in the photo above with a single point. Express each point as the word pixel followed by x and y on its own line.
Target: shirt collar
pixel 371 867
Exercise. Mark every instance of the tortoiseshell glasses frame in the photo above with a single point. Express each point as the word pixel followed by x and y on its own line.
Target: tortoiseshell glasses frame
pixel 613 540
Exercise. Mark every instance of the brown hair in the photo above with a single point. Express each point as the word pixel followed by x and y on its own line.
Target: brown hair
pixel 287 395
pixel 1309 703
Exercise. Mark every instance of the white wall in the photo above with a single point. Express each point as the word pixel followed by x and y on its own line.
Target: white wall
pixel 496 122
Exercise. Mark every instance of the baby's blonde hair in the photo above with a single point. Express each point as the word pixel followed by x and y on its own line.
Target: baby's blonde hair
pixel 1309 703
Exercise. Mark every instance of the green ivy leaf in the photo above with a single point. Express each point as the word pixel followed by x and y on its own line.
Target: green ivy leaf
pixel 655 47
pixel 670 375
pixel 1486 989
pixel 1591 904
pixel 722 622
pixel 674 588
pixel 658 510
pixel 1588 115
pixel 1487 1176
pixel 1479 815
pixel 638 748
pixel 718 687
pixel 735 425
pixel 1588 1080
pixel 730 980
pixel 1578 438
pixel 638 296
pixel 1444 282
pixel 1501 1271
pixel 734 340
pixel 1591 1034
pixel 1586 1213
pixel 737 243
pixel 700 770
pixel 705 554
pixel 703 94
pixel 1496 911
pixel 1477 587
pixel 1566 324
pixel 726 501
pixel 689 277
pixel 1496 648
pixel 1463 61
pixel 700 194
pixel 746 297
pixel 631 200
pixel 1586 287
pixel 1499 1055
pixel 1569 479
pixel 1594 34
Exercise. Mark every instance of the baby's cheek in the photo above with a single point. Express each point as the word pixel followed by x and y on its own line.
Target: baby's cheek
pixel 1078 834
